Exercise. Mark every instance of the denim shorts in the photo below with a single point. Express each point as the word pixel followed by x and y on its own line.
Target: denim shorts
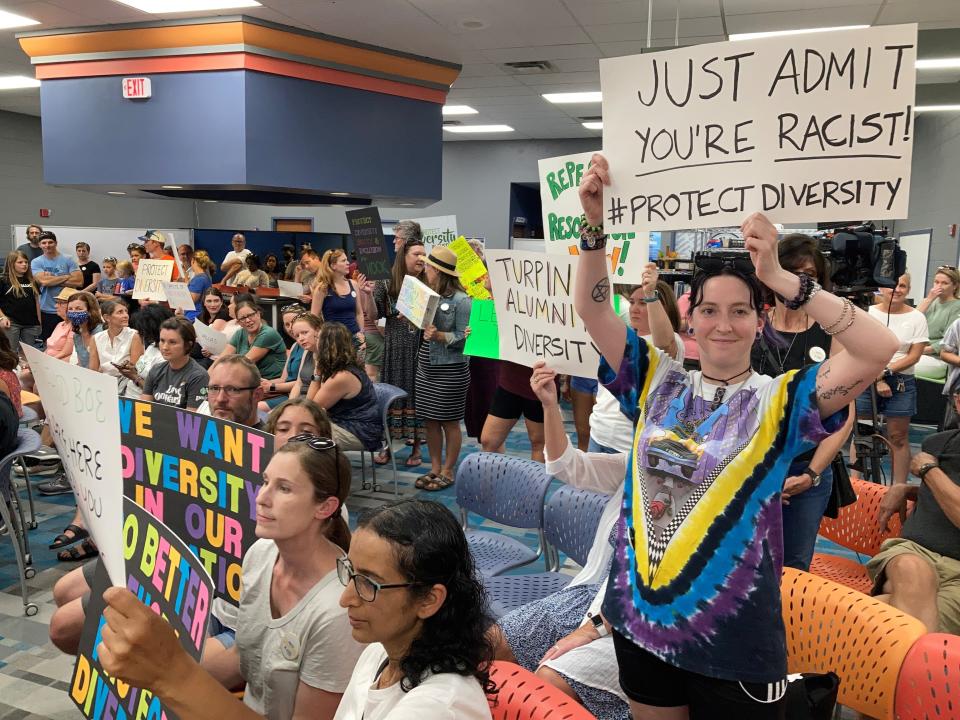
pixel 584 385
pixel 900 404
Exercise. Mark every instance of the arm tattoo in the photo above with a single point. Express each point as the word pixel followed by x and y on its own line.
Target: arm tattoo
pixel 841 390
pixel 601 291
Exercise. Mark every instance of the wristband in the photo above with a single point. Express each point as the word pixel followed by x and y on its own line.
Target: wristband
pixel 653 298
pixel 924 469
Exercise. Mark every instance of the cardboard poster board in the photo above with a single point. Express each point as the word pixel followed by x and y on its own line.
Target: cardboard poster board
pixel 211 340
pixel 471 268
pixel 813 127
pixel 151 274
pixel 290 289
pixel 484 339
pixel 416 302
pixel 178 295
pixel 373 257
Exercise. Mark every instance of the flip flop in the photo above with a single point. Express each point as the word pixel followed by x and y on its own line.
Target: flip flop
pixel 441 482
pixel 383 458
pixel 86 550
pixel 423 480
pixel 413 461
pixel 62 540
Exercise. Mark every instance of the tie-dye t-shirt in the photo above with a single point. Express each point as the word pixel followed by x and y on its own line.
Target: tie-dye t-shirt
pixel 695 578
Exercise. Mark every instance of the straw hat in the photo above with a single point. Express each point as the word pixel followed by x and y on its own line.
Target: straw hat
pixel 443 259
pixel 66 294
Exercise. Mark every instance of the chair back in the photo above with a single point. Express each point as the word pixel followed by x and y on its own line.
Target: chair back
pixel 929 682
pixel 387 394
pixel 524 696
pixel 28 441
pixel 830 627
pixel 856 525
pixel 570 521
pixel 508 490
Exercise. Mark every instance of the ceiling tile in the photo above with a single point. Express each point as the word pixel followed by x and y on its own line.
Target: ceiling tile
pixel 485 82
pixel 518 37
pixel 481 69
pixel 526 52
pixel 928 11
pixel 587 79
pixel 693 27
pixel 498 14
pixel 591 12
pixel 795 20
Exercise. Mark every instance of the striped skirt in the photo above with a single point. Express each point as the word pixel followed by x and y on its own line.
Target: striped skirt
pixel 441 390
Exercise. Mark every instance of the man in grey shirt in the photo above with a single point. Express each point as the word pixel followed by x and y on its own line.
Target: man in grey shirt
pixel 32 247
pixel 919 572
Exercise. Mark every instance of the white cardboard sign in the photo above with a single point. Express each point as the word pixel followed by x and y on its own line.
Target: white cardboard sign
pixel 84 420
pixel 533 296
pixel 211 340
pixel 417 302
pixel 178 295
pixel 151 274
pixel 560 179
pixel 813 127
pixel 290 289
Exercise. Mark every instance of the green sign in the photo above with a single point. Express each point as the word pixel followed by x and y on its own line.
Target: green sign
pixel 484 340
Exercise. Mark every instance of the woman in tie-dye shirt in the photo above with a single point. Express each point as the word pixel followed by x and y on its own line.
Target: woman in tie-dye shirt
pixel 693 597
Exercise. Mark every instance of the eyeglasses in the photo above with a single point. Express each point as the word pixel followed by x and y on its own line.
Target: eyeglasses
pixel 716 263
pixel 367 589
pixel 244 318
pixel 230 390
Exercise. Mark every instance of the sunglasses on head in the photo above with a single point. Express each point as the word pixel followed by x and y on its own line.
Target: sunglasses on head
pixel 110 259
pixel 293 307
pixel 713 264
pixel 947 267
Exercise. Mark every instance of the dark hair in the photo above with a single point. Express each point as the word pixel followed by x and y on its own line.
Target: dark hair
pixel 447 285
pixel 8 356
pixel 431 549
pixel 330 473
pixel 185 329
pixel 276 261
pixel 205 316
pixel 241 297
pixel 252 262
pixel 667 299
pixel 48 235
pixel 335 352
pixel 33 226
pixel 399 270
pixel 320 417
pixel 109 307
pixel 700 280
pixel 83 244
pixel 147 321
pixel 93 308
pixel 796 248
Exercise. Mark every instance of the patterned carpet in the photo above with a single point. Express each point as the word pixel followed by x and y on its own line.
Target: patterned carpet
pixel 34 674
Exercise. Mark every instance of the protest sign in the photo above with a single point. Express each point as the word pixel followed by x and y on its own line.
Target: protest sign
pixel 166 577
pixel 560 179
pixel 439 230
pixel 416 302
pixel 812 127
pixel 484 340
pixel 178 295
pixel 81 410
pixel 373 258
pixel 200 476
pixel 210 340
pixel 533 294
pixel 290 289
pixel 471 268
pixel 151 274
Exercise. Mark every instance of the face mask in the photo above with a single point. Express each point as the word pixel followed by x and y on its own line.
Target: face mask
pixel 78 317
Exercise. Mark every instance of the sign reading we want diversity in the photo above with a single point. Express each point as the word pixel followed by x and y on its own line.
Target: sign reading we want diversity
pixel 804 128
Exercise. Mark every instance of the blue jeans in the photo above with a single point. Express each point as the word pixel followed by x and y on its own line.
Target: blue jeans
pixel 801 520
pixel 596 447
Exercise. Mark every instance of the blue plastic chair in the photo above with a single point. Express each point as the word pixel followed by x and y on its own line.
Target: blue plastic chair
pixel 509 491
pixel 387 394
pixel 570 521
pixel 30 419
pixel 27 441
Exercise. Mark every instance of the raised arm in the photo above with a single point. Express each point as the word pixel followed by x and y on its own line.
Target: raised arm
pixel 868 345
pixel 660 328
pixel 591 296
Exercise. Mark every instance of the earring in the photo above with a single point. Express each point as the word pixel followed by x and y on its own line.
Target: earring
pixel 690 331
pixel 758 334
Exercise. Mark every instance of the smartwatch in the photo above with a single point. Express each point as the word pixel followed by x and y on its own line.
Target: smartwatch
pixel 597 621
pixel 817 477
pixel 653 298
pixel 273 387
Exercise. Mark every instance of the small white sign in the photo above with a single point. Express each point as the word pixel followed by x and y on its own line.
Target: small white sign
pixel 137 88
pixel 213 341
pixel 290 289
pixel 417 302
pixel 178 295
pixel 151 274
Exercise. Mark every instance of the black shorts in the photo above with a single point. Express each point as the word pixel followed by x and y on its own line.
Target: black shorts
pixel 510 406
pixel 648 680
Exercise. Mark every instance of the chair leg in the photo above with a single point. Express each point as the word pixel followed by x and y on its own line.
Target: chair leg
pixel 32 525
pixel 363 472
pixel 29 608
pixel 373 471
pixel 24 535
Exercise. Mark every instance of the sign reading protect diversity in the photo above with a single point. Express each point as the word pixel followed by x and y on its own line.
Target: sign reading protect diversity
pixel 812 127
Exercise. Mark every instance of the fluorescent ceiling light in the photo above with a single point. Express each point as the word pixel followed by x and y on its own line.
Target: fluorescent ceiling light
pixel 159 7
pixel 11 20
pixel 16 82
pixel 210 201
pixel 593 125
pixel 573 97
pixel 340 194
pixel 937 108
pixel 459 110
pixel 478 128
pixel 115 192
pixel 938 63
pixel 806 31
pixel 172 187
pixel 405 204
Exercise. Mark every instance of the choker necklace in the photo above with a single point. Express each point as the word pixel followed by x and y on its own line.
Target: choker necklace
pixel 727 381
pixel 719 395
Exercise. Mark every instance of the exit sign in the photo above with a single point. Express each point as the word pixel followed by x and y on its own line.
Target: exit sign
pixel 136 88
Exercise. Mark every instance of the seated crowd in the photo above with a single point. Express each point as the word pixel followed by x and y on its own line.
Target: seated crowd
pixel 391 621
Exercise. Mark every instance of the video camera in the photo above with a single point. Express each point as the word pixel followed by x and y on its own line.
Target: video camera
pixel 862 259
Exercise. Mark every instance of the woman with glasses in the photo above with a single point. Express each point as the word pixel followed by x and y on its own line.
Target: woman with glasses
pixel 256 341
pixel 693 597
pixel 800 341
pixel 941 307
pixel 178 380
pixel 294 648
pixel 412 593
pixel 342 388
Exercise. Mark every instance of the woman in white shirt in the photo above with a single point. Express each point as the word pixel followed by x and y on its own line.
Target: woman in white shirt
pixel 412 593
pixel 146 322
pixel 120 344
pixel 294 647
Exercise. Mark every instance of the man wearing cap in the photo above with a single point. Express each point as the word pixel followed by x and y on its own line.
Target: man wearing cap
pixel 236 259
pixel 52 271
pixel 153 244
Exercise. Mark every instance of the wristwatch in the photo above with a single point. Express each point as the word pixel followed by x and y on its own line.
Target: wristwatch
pixel 653 298
pixel 925 468
pixel 273 387
pixel 814 475
pixel 597 621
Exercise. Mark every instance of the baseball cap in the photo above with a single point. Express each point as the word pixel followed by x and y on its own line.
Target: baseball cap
pixel 151 235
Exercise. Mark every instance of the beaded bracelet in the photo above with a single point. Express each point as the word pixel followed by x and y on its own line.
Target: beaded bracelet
pixel 803 294
pixel 592 237
pixel 848 308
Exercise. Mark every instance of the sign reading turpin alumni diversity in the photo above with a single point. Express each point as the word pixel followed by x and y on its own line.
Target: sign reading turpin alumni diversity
pixel 812 127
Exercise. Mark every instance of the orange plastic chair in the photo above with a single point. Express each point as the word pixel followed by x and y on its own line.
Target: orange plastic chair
pixel 524 696
pixel 855 528
pixel 831 627
pixel 929 684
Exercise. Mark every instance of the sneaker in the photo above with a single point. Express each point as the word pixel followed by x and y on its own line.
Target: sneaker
pixel 49 465
pixel 58 486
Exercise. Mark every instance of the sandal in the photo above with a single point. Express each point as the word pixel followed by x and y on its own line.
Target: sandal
pixel 382 458
pixel 423 480
pixel 72 554
pixel 62 540
pixel 440 482
pixel 413 461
